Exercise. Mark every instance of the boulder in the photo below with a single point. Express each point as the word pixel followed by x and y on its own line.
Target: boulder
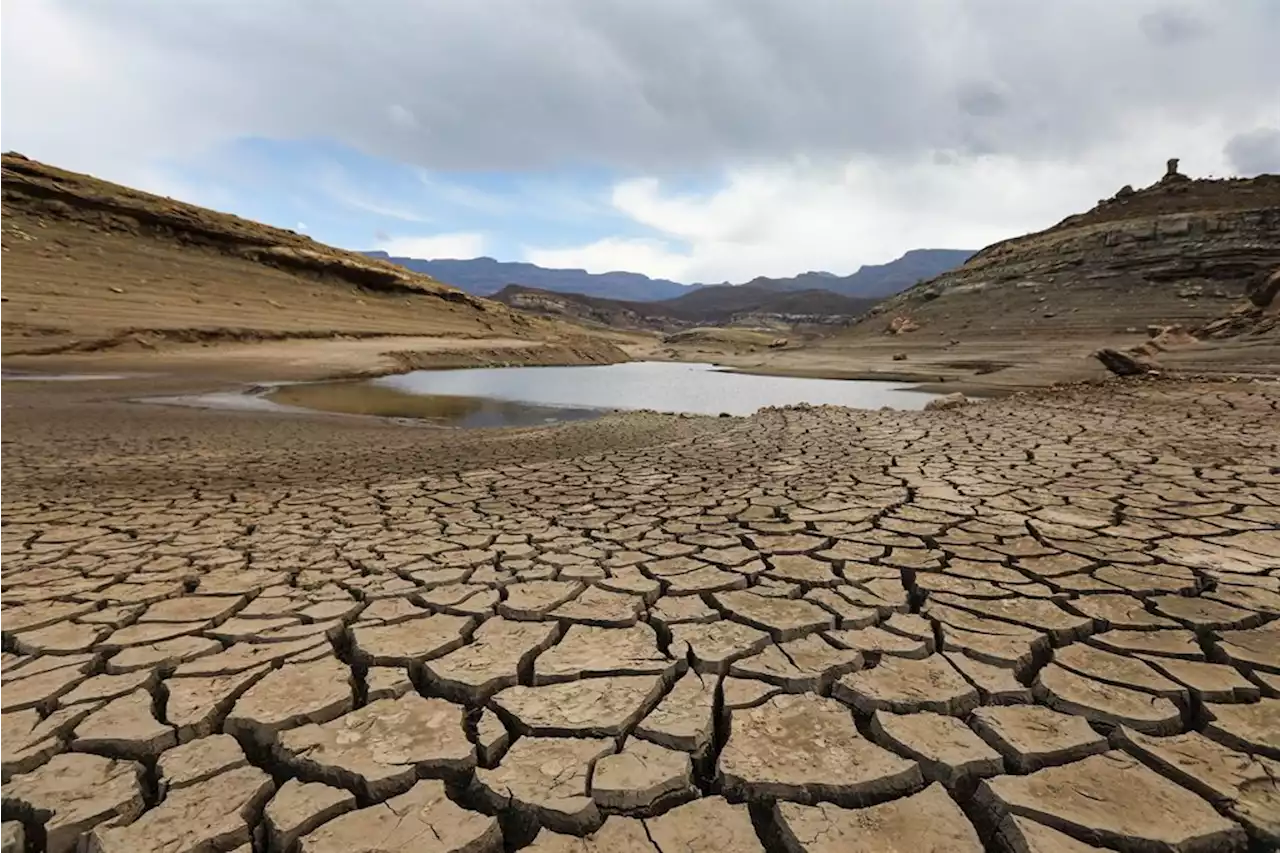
pixel 1123 363
pixel 1263 290
pixel 902 324
pixel 950 401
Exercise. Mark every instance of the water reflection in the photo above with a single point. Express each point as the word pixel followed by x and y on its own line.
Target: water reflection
pixel 664 386
pixel 366 398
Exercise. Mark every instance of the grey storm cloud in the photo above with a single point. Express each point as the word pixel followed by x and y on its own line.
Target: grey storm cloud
pixel 662 85
pixel 1172 25
pixel 1255 152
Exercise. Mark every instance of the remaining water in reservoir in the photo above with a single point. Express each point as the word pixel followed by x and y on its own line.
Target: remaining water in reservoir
pixel 663 386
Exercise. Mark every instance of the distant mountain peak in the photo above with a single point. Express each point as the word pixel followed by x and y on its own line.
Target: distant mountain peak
pixel 486 276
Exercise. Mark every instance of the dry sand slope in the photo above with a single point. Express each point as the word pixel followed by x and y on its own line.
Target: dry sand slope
pixel 93 269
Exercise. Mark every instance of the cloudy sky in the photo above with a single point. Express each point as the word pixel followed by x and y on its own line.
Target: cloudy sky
pixel 699 140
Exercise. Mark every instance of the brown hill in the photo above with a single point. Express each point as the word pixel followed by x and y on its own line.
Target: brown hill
pixel 91 265
pixel 1181 251
pixel 718 305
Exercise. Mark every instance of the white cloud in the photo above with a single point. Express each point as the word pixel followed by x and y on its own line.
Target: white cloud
pixel 845 132
pixel 435 246
pixel 779 220
pixel 331 179
pixel 648 88
pixel 378 207
pixel 654 258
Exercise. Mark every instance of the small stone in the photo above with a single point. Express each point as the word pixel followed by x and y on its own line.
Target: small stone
pixel 947 401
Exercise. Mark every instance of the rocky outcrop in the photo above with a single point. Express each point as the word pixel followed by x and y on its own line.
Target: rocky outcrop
pixel 1180 251
pixel 1123 363
pixel 1263 291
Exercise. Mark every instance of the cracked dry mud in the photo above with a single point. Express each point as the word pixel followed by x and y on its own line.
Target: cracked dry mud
pixel 1044 624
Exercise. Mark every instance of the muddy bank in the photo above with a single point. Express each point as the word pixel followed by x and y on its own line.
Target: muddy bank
pixel 584 352
pixel 333 357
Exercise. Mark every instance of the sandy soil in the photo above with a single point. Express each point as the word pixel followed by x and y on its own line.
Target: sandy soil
pixel 301 359
pixel 988 367
pixel 96 273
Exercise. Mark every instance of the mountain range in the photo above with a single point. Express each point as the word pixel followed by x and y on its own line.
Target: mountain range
pixel 486 277
pixel 716 305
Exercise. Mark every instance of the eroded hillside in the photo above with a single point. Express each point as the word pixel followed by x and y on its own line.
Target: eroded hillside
pixel 1180 251
pixel 91 265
